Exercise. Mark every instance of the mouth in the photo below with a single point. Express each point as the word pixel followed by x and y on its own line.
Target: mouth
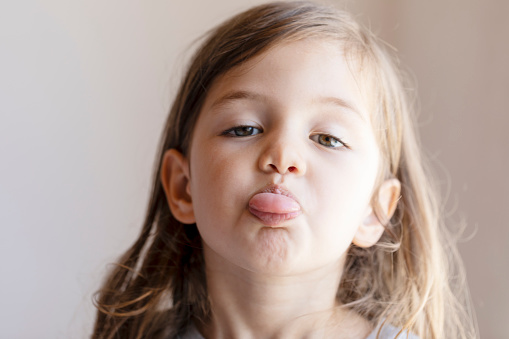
pixel 274 205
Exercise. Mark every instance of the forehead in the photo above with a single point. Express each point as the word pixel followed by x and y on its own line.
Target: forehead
pixel 294 73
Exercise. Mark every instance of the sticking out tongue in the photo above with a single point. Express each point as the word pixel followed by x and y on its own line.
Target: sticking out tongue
pixel 273 203
pixel 272 209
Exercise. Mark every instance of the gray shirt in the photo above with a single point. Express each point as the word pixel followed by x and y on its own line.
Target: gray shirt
pixel 388 332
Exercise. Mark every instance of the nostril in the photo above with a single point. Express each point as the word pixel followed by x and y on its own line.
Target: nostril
pixel 276 169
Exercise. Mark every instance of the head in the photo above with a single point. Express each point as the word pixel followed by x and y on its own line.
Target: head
pixel 263 29
pixel 394 264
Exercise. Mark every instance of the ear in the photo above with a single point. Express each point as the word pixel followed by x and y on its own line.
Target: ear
pixel 371 229
pixel 175 181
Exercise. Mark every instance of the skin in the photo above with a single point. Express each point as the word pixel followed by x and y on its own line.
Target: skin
pixel 309 133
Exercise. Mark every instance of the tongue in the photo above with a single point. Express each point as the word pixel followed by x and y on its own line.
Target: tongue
pixel 273 203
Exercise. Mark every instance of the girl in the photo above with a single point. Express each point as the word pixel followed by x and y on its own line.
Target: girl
pixel 290 198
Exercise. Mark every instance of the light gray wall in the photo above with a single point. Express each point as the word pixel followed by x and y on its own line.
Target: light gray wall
pixel 85 87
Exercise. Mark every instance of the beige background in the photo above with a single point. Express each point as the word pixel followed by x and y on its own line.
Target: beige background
pixel 84 90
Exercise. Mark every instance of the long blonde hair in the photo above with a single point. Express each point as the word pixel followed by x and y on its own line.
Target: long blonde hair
pixel 159 287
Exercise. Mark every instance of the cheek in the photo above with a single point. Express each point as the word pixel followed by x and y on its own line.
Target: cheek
pixel 341 195
pixel 216 189
pixel 346 182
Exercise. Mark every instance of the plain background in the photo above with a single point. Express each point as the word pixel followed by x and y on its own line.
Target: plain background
pixel 85 87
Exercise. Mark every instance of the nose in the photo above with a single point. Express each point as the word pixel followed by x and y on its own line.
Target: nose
pixel 282 155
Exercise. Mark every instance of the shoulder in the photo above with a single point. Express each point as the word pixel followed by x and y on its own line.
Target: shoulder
pixel 191 333
pixel 391 332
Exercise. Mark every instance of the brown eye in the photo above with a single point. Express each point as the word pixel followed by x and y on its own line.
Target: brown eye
pixel 327 141
pixel 242 131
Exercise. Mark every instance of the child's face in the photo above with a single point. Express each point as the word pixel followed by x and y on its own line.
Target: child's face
pixel 297 102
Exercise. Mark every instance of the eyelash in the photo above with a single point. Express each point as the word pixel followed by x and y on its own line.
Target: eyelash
pixel 334 139
pixel 232 133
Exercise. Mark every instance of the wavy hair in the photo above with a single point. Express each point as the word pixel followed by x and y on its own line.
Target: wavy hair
pixel 407 279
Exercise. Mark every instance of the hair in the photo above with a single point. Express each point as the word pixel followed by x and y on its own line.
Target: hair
pixel 407 279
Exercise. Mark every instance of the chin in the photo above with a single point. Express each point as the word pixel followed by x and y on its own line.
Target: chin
pixel 274 252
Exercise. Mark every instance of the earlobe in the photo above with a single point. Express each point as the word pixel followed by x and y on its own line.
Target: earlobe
pixel 175 181
pixel 372 228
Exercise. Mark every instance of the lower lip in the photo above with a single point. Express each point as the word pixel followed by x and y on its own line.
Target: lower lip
pixel 274 219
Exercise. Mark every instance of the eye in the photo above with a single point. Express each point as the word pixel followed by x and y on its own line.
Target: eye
pixel 328 141
pixel 241 131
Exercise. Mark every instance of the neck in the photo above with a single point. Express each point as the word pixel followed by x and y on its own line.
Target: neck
pixel 245 304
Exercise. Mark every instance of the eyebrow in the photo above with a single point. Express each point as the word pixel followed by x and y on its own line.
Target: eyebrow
pixel 237 95
pixel 335 101
pixel 253 96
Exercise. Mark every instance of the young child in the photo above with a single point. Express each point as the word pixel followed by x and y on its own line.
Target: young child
pixel 290 199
